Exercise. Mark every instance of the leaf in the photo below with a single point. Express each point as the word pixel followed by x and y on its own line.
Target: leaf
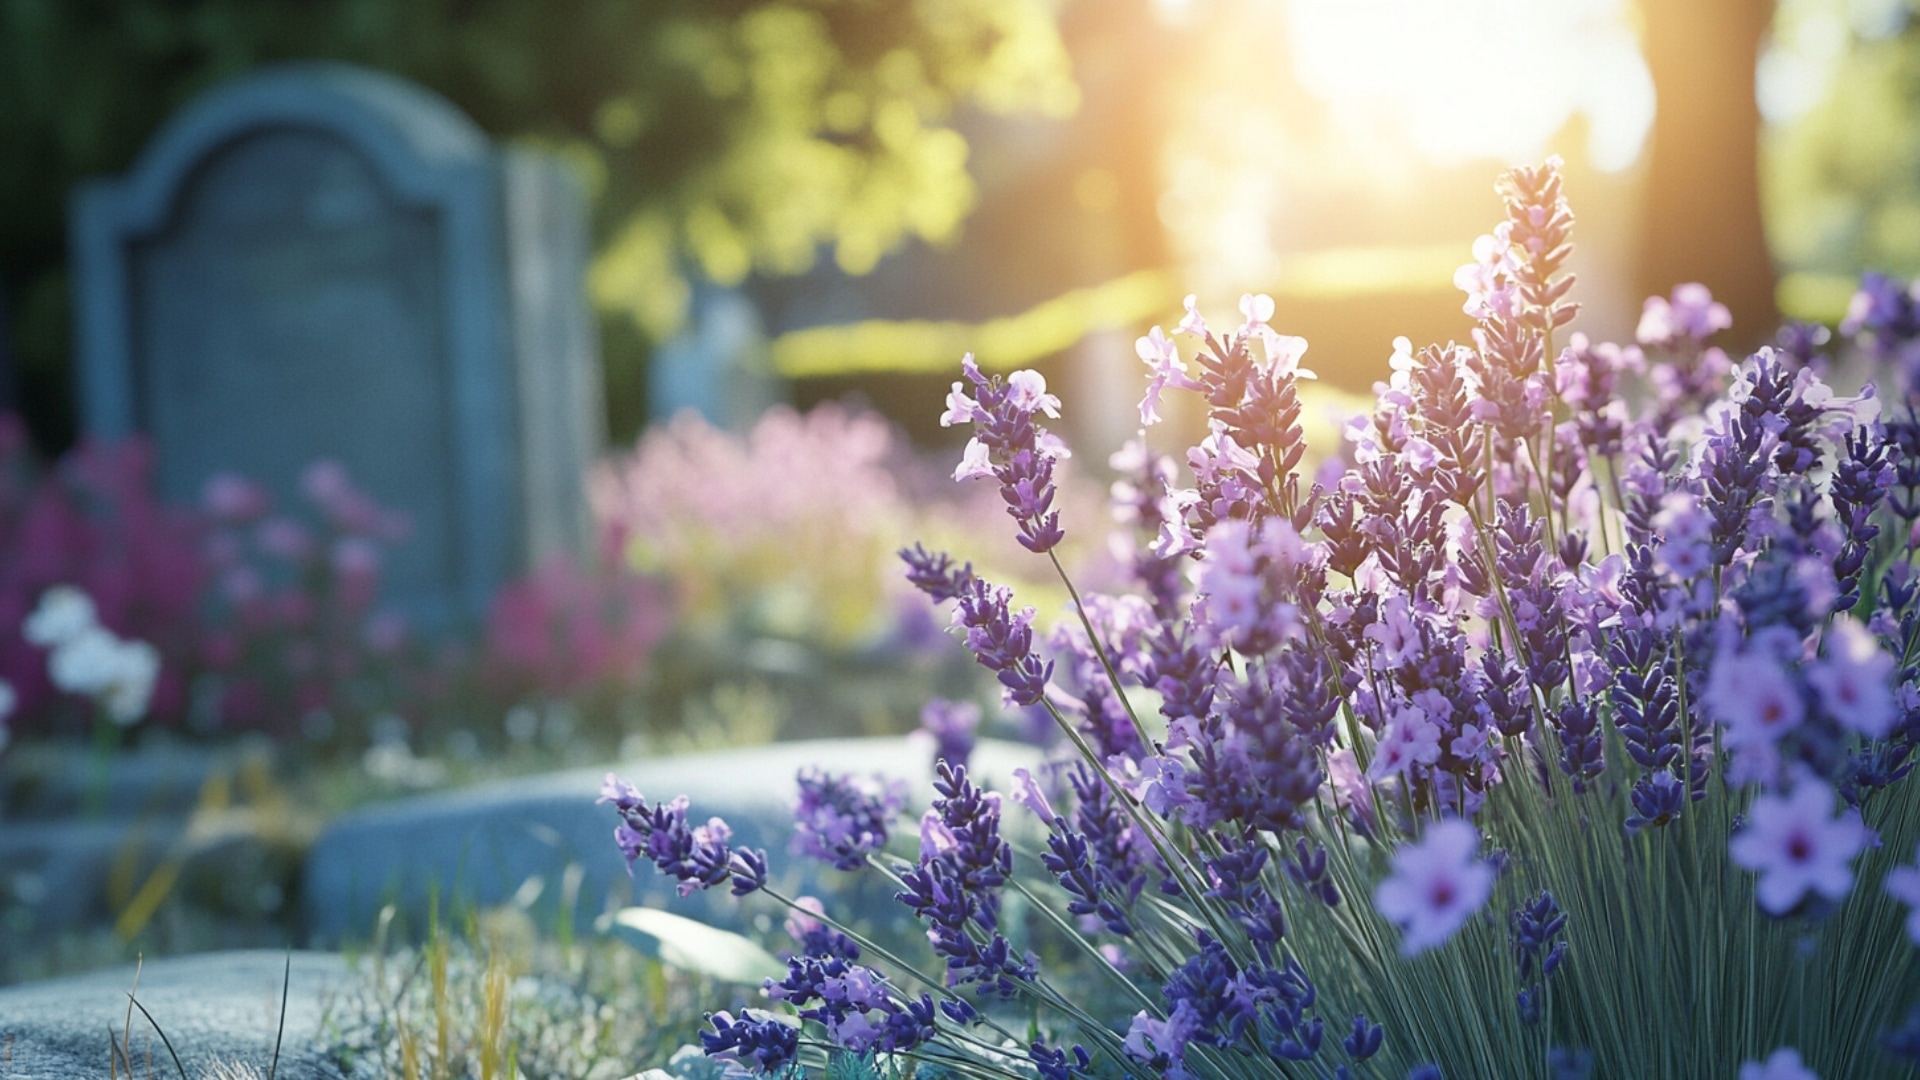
pixel 695 947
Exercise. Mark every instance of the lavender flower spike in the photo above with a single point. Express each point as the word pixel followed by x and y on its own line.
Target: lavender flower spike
pixel 697 856
pixel 1008 446
pixel 1002 641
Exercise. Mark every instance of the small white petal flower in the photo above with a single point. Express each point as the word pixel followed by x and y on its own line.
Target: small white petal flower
pixel 975 462
pixel 64 614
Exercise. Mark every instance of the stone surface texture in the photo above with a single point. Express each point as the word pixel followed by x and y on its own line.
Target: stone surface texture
pixel 319 261
pixel 484 845
pixel 221 1011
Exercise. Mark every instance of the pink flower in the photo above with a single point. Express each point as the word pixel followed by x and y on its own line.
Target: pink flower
pixel 1796 846
pixel 1692 314
pixel 284 538
pixel 1488 279
pixel 230 497
pixel 1411 738
pixel 935 838
pixel 1855 680
pixel 804 919
pixel 1903 884
pixel 1436 885
pixel 1784 1064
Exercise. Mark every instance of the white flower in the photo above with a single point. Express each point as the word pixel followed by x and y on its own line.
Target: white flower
pixel 975 462
pixel 1030 393
pixel 64 614
pixel 118 674
pixel 1436 885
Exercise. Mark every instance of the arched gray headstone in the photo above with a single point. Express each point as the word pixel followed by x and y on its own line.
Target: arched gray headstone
pixel 319 261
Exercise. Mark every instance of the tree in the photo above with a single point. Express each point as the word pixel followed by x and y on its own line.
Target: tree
pixel 1702 213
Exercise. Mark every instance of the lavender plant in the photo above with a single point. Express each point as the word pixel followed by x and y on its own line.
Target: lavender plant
pixel 1566 734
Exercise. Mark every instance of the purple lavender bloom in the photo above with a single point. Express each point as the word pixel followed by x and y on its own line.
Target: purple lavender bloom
pixel 763 1041
pixel 1802 342
pixel 1365 1040
pixel 855 1003
pixel 1308 869
pixel 935 574
pixel 1657 799
pixel 1883 314
pixel 1002 641
pixel 1087 690
pixel 1534 925
pixel 1861 481
pixel 955 887
pixel 1903 1042
pixel 953 725
pixel 841 819
pixel 1010 447
pixel 1054 1065
pixel 1570 1063
pixel 1646 696
pixel 1143 498
pixel 698 857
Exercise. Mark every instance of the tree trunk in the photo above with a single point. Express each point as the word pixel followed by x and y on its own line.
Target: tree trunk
pixel 1702 214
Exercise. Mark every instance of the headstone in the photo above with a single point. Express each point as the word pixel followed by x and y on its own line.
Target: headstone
pixel 717 365
pixel 318 261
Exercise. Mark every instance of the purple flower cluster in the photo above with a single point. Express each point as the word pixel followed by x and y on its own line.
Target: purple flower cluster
pixel 697 856
pixel 1653 595
pixel 956 886
pixel 1009 447
pixel 842 819
pixel 859 1008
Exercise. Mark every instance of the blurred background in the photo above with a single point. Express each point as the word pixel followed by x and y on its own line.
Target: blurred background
pixel 780 204
pixel 780 224
pixel 845 196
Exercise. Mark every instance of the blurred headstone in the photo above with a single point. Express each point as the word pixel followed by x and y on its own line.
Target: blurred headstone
pixel 319 261
pixel 716 366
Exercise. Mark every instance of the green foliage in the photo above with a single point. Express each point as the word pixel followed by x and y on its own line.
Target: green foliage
pixel 1672 969
pixel 725 136
pixel 694 947
pixel 502 999
pixel 1842 182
